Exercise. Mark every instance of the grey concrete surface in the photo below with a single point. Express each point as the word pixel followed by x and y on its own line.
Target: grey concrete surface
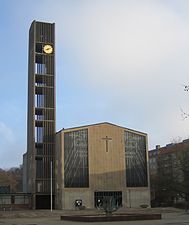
pixel 170 216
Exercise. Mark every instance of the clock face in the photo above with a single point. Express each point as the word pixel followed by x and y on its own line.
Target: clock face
pixel 48 49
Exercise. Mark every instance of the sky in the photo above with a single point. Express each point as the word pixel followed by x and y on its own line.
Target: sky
pixel 120 61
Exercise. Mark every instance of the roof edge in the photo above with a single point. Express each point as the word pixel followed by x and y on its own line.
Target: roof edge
pixel 101 123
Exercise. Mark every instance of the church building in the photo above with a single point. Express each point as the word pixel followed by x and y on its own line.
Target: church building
pixel 101 160
pixel 76 166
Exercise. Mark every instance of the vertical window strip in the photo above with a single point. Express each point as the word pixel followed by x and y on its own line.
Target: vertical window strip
pixel 135 158
pixel 76 159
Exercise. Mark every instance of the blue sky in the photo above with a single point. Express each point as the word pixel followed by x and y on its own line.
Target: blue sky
pixel 118 61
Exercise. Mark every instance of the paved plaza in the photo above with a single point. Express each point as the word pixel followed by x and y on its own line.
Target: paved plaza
pixel 170 216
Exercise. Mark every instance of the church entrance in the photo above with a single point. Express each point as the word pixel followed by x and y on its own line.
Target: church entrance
pixel 101 195
pixel 44 202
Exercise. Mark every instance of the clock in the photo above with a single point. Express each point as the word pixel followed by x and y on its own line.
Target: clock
pixel 48 49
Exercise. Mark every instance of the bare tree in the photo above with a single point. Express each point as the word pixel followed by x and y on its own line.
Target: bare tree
pixel 184 114
pixel 12 178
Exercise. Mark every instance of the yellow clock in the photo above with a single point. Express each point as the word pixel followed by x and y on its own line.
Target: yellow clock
pixel 48 49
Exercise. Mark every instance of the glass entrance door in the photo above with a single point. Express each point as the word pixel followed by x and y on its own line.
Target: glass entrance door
pixel 100 195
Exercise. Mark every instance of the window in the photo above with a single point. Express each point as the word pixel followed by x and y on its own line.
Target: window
pixel 39 134
pixel 44 65
pixel 76 171
pixel 39 100
pixel 39 48
pixel 39 186
pixel 135 157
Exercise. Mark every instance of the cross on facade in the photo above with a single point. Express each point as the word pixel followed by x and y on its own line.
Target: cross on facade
pixel 107 139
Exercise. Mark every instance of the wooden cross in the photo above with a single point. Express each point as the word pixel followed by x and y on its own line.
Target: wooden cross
pixel 107 139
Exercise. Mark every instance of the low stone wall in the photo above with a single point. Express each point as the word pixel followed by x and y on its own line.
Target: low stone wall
pixel 10 202
pixel 10 207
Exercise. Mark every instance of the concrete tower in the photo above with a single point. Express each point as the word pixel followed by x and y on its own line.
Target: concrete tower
pixel 39 159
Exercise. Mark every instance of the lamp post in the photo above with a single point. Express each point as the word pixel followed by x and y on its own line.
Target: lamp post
pixel 129 198
pixel 51 186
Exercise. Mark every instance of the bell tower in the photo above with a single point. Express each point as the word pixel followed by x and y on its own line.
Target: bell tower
pixel 41 115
